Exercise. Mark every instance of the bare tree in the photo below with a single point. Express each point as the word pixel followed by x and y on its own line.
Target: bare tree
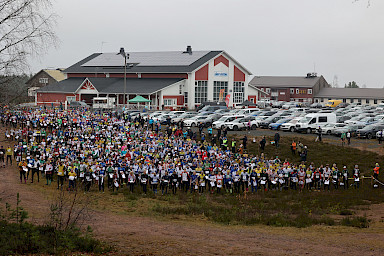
pixel 26 30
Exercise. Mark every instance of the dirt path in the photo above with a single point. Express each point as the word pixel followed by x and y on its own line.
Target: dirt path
pixel 146 236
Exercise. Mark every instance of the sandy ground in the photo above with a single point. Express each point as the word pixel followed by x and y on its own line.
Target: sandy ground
pixel 146 236
pixel 132 235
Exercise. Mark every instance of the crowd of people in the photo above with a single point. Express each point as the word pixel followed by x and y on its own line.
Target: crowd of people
pixel 84 149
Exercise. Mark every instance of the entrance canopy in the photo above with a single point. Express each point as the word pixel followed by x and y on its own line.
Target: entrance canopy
pixel 139 99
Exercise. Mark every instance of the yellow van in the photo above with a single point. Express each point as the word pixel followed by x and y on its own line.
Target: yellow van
pixel 333 103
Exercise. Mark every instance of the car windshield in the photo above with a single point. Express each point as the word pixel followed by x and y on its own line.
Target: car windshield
pixel 366 119
pixel 306 119
pixel 284 120
pixel 223 118
pixel 368 127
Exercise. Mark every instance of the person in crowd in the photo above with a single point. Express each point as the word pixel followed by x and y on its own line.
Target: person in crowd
pixel 94 146
pixel 293 147
pixel 262 143
pixel 376 171
pixel 23 170
pixel 348 136
pixel 277 139
pixel 356 176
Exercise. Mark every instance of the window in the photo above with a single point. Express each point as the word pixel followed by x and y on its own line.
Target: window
pixel 238 92
pixel 292 91
pixel 185 97
pixel 344 100
pixel 217 87
pixel 351 100
pixel 322 119
pixel 43 80
pixel 359 100
pixel 297 91
pixel 180 89
pixel 374 101
pixel 169 102
pixel 367 101
pixel 201 91
pixel 309 91
pixel 71 98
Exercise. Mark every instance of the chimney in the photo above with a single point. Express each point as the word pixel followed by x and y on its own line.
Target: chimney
pixel 189 50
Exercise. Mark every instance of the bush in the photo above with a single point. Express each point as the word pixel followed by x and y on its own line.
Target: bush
pixel 357 222
pixel 28 238
pixel 346 212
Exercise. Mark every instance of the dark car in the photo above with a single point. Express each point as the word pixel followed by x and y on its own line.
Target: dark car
pixel 77 104
pixel 268 113
pixel 265 123
pixel 369 131
pixel 352 128
pixel 342 119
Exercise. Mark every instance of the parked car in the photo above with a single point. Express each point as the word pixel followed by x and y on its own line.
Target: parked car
pixel 212 108
pixel 352 128
pixel 266 122
pixel 247 111
pixel 240 123
pixel 366 121
pixel 183 116
pixel 276 125
pixel 369 131
pixel 342 119
pixel 220 123
pixel 289 105
pixel 195 120
pixel 316 105
pixel 291 125
pixel 330 128
pixel 77 104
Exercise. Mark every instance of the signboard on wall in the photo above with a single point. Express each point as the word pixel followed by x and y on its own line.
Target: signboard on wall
pixel 220 74
pixel 227 99
pixel 221 95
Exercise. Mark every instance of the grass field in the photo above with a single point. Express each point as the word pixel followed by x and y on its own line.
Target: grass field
pixel 318 153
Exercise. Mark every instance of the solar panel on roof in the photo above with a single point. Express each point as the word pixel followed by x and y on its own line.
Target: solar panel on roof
pixel 146 59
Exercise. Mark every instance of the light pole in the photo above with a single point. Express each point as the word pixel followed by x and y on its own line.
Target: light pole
pixel 126 56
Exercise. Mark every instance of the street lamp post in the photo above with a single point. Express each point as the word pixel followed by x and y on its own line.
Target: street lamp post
pixel 126 56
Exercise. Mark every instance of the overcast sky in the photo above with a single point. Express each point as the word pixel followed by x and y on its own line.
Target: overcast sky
pixel 269 37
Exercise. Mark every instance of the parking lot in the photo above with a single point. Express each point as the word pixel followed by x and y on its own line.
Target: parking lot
pixel 362 121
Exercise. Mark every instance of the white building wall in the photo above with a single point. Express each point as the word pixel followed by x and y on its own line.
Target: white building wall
pixel 212 70
pixel 253 92
pixel 172 90
pixel 190 88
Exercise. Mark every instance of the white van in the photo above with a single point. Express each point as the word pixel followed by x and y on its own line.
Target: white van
pixel 311 122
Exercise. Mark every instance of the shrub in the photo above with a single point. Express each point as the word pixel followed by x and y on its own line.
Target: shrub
pixel 357 222
pixel 28 238
pixel 346 212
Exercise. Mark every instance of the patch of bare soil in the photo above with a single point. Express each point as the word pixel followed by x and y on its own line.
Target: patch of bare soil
pixel 147 236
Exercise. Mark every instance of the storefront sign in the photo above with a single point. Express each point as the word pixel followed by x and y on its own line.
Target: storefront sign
pixel 222 74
